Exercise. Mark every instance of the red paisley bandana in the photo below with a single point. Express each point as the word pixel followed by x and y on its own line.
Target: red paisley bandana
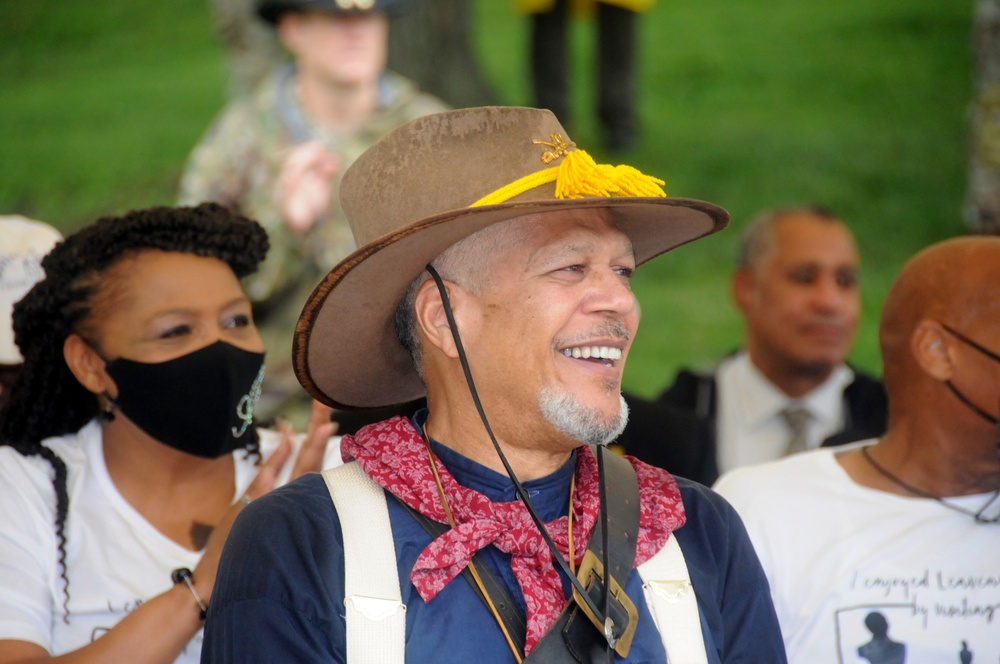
pixel 393 454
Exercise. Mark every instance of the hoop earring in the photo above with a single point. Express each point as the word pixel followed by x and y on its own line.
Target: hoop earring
pixel 107 406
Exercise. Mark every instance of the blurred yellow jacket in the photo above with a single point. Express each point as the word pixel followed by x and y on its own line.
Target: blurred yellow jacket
pixel 580 6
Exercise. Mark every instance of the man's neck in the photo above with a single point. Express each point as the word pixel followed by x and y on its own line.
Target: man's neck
pixel 337 107
pixel 795 382
pixel 930 456
pixel 468 437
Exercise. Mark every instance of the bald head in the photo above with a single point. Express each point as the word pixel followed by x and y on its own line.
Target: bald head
pixel 952 284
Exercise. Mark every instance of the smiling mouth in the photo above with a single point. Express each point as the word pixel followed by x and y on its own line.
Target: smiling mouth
pixel 606 355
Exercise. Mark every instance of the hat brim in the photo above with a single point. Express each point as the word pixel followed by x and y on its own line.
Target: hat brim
pixel 345 351
pixel 272 11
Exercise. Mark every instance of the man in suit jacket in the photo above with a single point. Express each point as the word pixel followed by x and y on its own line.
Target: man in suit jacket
pixel 788 389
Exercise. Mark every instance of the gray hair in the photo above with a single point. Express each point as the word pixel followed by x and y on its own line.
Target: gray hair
pixel 466 263
pixel 758 237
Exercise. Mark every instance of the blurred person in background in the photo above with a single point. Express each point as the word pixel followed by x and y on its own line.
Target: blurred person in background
pixel 278 155
pixel 616 59
pixel 789 388
pixel 905 525
pixel 129 447
pixel 25 241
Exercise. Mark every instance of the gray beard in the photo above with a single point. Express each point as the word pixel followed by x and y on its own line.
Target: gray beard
pixel 571 418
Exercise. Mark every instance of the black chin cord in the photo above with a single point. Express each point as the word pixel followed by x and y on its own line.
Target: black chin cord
pixel 522 492
pixel 973 407
pixel 977 410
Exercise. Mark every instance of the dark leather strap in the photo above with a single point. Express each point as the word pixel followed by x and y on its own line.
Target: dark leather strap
pixel 574 638
pixel 623 517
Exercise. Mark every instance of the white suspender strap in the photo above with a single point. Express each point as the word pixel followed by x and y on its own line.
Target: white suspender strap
pixel 375 613
pixel 673 605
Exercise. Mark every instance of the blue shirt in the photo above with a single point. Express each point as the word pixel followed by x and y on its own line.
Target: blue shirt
pixel 279 594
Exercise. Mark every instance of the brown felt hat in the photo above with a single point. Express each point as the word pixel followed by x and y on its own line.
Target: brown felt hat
pixel 272 10
pixel 408 199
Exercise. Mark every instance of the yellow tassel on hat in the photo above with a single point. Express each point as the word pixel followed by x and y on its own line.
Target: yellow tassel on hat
pixel 577 176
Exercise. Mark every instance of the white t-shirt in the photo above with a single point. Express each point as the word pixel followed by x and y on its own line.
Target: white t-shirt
pixel 115 559
pixel 836 552
pixel 751 428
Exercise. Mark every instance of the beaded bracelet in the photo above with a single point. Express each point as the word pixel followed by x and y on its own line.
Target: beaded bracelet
pixel 184 575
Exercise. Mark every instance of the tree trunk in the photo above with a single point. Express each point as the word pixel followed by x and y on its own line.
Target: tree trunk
pixel 430 44
pixel 982 205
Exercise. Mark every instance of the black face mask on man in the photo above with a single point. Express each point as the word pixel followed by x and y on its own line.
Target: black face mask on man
pixel 201 403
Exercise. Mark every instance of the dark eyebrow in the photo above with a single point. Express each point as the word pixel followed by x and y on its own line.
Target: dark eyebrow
pixel 579 249
pixel 236 301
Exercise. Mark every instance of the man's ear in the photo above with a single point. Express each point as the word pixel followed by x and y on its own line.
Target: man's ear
pixel 87 366
pixel 933 349
pixel 432 320
pixel 742 288
pixel 289 31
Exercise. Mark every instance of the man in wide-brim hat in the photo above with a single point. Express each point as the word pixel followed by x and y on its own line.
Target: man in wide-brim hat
pixel 493 275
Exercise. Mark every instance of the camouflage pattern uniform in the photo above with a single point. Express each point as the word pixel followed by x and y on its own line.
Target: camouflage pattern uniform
pixel 238 162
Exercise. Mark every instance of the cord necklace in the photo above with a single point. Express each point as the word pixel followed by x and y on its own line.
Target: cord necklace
pixel 976 516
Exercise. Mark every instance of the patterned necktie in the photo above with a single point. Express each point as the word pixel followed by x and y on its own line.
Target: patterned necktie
pixel 797 419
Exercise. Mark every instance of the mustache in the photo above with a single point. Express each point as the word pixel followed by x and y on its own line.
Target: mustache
pixel 613 329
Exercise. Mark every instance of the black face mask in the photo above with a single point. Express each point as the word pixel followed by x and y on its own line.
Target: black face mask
pixel 200 403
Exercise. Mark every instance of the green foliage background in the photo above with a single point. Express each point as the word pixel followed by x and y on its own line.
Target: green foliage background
pixel 859 105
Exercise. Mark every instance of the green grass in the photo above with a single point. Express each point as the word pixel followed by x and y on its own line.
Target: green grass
pixel 856 104
pixel 103 102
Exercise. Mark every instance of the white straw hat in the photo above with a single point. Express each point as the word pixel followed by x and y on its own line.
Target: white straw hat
pixel 24 242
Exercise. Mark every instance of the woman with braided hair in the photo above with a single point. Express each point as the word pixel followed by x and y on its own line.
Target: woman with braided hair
pixel 128 446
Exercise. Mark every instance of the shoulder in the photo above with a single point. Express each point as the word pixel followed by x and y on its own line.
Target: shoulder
pixel 865 387
pixel 25 479
pixel 710 517
pixel 649 421
pixel 403 101
pixel 671 436
pixel 712 531
pixel 730 584
pixel 297 506
pixel 242 116
pixel 231 121
pixel 28 487
pixel 284 547
pixel 279 591
pixel 864 378
pixel 17 468
pixel 691 390
pixel 700 498
pixel 774 486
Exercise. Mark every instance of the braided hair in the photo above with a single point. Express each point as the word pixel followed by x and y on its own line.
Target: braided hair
pixel 47 400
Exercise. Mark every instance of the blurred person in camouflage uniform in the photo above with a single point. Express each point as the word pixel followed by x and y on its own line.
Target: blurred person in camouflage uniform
pixel 278 155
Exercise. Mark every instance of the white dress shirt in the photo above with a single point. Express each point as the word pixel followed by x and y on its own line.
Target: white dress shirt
pixel 750 427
